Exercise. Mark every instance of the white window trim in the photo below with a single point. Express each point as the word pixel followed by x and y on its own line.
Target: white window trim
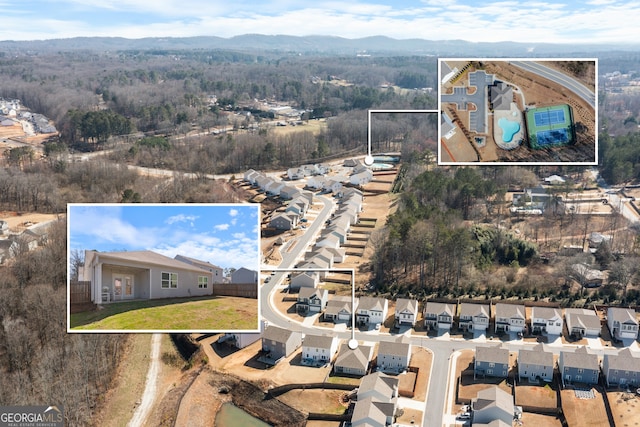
pixel 202 285
pixel 170 281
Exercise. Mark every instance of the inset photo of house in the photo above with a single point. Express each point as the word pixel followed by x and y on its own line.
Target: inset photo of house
pixel 163 267
pixel 520 111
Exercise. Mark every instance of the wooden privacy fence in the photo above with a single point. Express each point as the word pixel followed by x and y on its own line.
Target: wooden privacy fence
pixel 245 290
pixel 79 292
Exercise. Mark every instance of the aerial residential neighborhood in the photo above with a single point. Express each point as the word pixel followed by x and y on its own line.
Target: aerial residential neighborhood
pixel 402 220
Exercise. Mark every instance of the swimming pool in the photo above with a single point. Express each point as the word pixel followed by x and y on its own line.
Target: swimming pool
pixel 381 166
pixel 509 129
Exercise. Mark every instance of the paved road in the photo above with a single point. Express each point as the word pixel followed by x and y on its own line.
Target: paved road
pixel 620 204
pixel 556 76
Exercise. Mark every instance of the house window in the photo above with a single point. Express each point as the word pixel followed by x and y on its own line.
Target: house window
pixel 203 282
pixel 169 280
pixel 492 365
pixel 580 370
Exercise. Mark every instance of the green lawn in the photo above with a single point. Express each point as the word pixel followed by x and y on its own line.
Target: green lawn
pixel 201 313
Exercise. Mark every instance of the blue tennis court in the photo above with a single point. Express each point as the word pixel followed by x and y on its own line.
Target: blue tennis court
pixel 552 137
pixel 549 117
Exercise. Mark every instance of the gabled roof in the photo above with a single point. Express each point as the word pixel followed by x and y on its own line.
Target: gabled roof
pixel 581 317
pixel 535 356
pixel 368 410
pixel 354 359
pixel 511 311
pixel 405 304
pixel 310 292
pixel 622 315
pixel 206 265
pixel 492 354
pixel 625 360
pixel 437 308
pixel 580 359
pixel 318 341
pixel 372 303
pixel 472 310
pixel 144 257
pixel 398 347
pixel 381 383
pixel 277 334
pixel 337 304
pixel 494 397
pixel 546 313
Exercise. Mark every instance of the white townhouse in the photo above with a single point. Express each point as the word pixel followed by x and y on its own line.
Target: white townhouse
pixel 546 320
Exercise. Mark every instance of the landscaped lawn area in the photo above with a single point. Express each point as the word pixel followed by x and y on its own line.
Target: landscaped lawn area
pixel 194 314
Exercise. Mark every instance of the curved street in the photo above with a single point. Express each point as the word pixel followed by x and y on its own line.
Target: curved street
pixel 558 77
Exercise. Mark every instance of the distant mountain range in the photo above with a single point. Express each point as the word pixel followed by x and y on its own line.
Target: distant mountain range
pixel 377 45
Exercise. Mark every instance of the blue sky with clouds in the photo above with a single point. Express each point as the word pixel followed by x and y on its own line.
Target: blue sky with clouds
pixel 224 235
pixel 520 21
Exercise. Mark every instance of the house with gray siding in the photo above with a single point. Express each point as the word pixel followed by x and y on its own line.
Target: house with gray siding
pixel 438 315
pixel 535 364
pixel 622 369
pixel 509 317
pixel 582 322
pixel 353 362
pixel 312 300
pixel 394 356
pixel 492 404
pixel 371 311
pixel 474 317
pixel 491 362
pixel 120 276
pixel 546 320
pixel 318 349
pixel 623 323
pixel 406 313
pixel 217 273
pixel 278 343
pixel 376 402
pixel 339 309
pixel 578 367
pixel 244 275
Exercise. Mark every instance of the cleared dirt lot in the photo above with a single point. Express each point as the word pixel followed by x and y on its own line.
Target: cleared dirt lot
pixel 625 408
pixel 19 221
pixel 538 396
pixel 583 412
pixel 538 420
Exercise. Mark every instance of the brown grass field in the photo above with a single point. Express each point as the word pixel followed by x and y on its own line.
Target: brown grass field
pixel 584 412
pixel 541 396
pixel 625 408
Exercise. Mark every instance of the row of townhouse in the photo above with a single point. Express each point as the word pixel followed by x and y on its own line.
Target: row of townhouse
pixel 622 322
pixel 307 170
pixel 579 366
pixel 277 343
pixel 328 249
pixel 369 311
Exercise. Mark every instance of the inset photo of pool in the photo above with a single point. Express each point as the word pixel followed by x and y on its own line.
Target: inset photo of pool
pixel 517 111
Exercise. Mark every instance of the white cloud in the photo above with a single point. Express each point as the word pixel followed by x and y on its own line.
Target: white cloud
pixel 537 21
pixel 107 226
pixel 181 218
pixel 234 212
pixel 221 227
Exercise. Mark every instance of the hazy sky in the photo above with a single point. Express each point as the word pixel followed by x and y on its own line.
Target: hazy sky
pixel 522 21
pixel 224 235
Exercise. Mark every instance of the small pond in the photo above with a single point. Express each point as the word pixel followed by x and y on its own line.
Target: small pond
pixel 230 415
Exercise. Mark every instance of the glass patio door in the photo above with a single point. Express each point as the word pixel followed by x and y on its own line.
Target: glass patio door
pixel 122 287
